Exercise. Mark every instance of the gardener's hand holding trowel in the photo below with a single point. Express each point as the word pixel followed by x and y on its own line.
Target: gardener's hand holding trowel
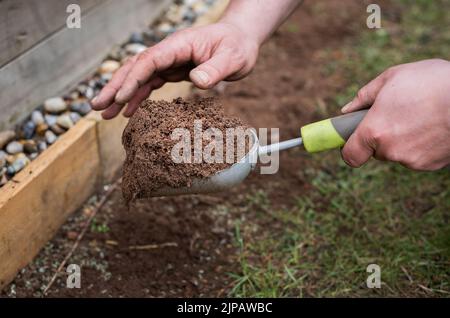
pixel 409 117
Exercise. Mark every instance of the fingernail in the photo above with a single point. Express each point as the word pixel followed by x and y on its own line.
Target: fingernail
pixel 94 100
pixel 346 106
pixel 119 96
pixel 200 77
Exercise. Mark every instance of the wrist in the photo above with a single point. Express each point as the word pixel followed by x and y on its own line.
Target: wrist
pixel 255 37
pixel 244 36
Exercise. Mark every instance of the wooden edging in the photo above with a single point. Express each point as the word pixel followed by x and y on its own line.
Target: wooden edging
pixel 35 203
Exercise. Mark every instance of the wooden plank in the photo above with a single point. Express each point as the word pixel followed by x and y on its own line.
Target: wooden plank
pixel 44 194
pixel 24 23
pixel 56 64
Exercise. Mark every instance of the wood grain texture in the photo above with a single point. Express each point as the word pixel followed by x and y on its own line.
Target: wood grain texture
pixel 54 65
pixel 24 23
pixel 40 198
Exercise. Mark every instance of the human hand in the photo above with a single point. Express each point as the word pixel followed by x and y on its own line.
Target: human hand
pixel 409 120
pixel 205 55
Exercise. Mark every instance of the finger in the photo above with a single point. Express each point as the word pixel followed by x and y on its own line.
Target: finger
pixel 168 53
pixel 358 149
pixel 142 93
pixel 366 95
pixel 107 94
pixel 211 72
pixel 112 111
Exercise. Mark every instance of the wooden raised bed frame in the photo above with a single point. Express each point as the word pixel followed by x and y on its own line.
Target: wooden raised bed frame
pixel 35 203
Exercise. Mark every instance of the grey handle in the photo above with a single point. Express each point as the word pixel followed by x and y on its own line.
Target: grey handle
pixel 346 124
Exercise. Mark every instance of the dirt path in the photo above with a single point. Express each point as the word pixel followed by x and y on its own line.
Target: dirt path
pixel 186 245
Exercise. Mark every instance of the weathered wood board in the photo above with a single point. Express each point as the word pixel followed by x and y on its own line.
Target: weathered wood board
pixel 54 65
pixel 24 23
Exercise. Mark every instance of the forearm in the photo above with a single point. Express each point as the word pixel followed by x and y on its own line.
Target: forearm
pixel 258 18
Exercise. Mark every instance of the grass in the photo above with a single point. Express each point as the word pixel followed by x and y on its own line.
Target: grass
pixel 381 213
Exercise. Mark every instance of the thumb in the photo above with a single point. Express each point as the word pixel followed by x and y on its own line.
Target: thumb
pixel 214 70
pixel 358 149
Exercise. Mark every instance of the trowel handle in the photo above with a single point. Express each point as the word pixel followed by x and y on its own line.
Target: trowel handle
pixel 331 133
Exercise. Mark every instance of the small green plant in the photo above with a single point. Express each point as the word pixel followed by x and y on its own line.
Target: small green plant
pixel 99 227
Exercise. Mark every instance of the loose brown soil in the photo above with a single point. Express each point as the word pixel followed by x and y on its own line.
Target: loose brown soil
pixel 186 243
pixel 148 142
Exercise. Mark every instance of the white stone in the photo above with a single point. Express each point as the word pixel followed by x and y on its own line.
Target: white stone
pixel 55 105
pixel 64 121
pixel 37 117
pixel 50 137
pixel 135 48
pixel 14 147
pixel 109 66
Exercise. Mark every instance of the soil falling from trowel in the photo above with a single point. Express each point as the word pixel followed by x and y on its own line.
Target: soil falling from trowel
pixel 157 127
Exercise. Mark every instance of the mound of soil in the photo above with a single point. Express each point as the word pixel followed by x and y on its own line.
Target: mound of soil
pixel 148 142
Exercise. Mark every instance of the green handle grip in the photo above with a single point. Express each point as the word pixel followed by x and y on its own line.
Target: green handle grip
pixel 331 133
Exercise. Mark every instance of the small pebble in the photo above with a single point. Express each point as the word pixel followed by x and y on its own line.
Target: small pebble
pixel 109 66
pixel 29 146
pixel 55 105
pixel 86 91
pixel 2 158
pixel 6 136
pixel 64 121
pixel 28 129
pixel 33 155
pixel 189 16
pixel 106 77
pixel 117 53
pixel 81 108
pixel 10 159
pixel 199 7
pixel 72 235
pixel 93 82
pixel 135 48
pixel 41 129
pixel 50 137
pixel 136 37
pixel 90 93
pixel 150 37
pixel 76 106
pixel 19 164
pixel 50 120
pixel 166 28
pixel 3 178
pixel 42 145
pixel 20 159
pixel 14 147
pixel 57 129
pixel 75 117
pixel 10 171
pixel 37 117
pixel 74 95
pixel 175 14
